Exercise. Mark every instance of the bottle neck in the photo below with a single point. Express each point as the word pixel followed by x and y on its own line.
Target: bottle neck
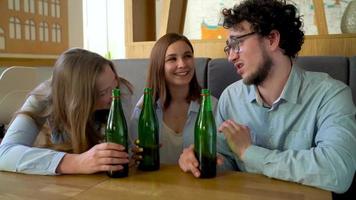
pixel 206 102
pixel 115 95
pixel 115 100
pixel 147 99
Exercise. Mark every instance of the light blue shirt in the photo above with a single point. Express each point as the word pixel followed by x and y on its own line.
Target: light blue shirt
pixel 307 136
pixel 16 151
pixel 188 131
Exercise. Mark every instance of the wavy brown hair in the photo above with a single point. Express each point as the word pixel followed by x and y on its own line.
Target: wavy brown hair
pixel 156 77
pixel 70 96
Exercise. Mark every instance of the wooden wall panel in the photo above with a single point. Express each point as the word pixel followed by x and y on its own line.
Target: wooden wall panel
pixel 30 62
pixel 172 17
pixel 143 20
pixel 322 44
pixel 327 45
pixel 320 18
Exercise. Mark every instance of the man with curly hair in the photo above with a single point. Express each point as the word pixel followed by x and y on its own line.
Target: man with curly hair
pixel 280 120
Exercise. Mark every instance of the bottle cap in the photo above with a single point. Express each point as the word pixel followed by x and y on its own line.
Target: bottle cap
pixel 116 92
pixel 147 90
pixel 205 92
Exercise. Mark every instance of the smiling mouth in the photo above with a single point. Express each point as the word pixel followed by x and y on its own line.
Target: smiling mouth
pixel 181 73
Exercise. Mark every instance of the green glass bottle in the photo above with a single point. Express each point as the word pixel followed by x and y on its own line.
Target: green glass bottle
pixel 116 130
pixel 148 134
pixel 205 137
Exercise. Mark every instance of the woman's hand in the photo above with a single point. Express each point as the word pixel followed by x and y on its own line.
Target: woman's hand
pixel 101 157
pixel 189 163
pixel 137 152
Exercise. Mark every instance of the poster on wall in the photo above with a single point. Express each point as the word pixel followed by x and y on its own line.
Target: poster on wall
pixel 33 26
pixel 204 21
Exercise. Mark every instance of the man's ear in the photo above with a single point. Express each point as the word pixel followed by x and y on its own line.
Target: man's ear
pixel 274 39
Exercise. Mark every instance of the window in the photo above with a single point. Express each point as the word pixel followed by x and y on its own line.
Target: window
pixel 55 9
pixel 15 28
pixel 43 30
pixel 56 33
pixel 30 30
pixel 104 27
pixel 14 5
pixel 2 39
pixel 29 6
pixel 43 7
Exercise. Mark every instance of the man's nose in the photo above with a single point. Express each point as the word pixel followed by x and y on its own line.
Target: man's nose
pixel 233 56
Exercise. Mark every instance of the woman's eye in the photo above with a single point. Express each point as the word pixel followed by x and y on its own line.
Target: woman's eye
pixel 170 59
pixel 102 93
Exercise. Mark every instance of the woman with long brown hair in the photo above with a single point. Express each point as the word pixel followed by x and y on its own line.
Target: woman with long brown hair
pixel 176 93
pixel 68 103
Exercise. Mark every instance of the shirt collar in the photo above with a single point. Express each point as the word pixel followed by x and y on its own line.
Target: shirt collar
pixel 193 106
pixel 289 92
pixel 251 89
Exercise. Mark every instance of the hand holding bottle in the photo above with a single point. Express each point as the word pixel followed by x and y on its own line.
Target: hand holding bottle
pixel 205 137
pixel 102 157
pixel 116 130
pixel 137 151
pixel 189 163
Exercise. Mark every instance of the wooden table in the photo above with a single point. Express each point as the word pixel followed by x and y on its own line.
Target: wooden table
pixel 168 183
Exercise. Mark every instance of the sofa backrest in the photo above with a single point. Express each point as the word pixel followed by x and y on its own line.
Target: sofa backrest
pixel 135 71
pixel 352 80
pixel 221 73
pixel 339 67
pixel 336 66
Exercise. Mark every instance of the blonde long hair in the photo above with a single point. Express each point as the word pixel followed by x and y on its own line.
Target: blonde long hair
pixel 70 96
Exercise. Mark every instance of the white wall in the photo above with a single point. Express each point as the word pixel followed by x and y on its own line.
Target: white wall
pixel 75 23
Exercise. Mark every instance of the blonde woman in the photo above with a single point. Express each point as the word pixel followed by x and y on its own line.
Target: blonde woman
pixel 68 103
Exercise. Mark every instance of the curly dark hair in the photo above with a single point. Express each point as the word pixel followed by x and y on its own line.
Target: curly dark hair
pixel 267 15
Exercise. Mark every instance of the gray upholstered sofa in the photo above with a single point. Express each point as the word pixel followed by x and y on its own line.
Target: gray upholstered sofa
pixel 220 73
pixel 217 74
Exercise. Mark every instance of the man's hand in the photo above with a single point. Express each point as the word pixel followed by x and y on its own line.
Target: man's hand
pixel 238 136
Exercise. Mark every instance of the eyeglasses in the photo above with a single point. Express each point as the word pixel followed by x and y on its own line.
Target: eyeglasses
pixel 235 43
